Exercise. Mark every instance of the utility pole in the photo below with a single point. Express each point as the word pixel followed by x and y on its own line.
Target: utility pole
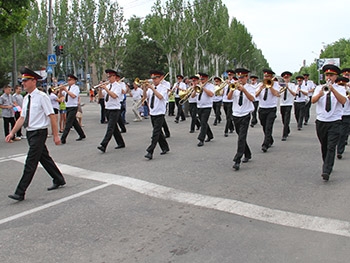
pixel 14 63
pixel 50 43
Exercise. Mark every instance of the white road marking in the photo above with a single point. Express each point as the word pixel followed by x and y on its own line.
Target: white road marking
pixel 274 216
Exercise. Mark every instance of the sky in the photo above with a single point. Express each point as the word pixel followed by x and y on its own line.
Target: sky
pixel 288 32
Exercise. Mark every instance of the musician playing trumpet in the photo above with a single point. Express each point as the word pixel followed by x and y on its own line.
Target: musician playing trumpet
pixel 301 95
pixel 329 111
pixel 177 88
pixel 217 100
pixel 268 93
pixel 113 94
pixel 243 96
pixel 287 94
pixel 204 104
pixel 192 101
pixel 156 94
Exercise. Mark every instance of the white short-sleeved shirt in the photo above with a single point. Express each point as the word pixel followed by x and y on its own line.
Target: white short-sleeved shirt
pixel 290 98
pixel 271 100
pixel 247 105
pixel 113 104
pixel 302 97
pixel 40 109
pixel 136 94
pixel 336 111
pixel 159 107
pixel 72 102
pixel 205 101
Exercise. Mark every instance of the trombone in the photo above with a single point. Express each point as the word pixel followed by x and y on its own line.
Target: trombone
pixel 185 95
pixel 101 84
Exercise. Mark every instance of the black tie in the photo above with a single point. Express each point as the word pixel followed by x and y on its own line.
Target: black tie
pixel 228 90
pixel 177 89
pixel 285 94
pixel 305 83
pixel 26 120
pixel 240 101
pixel 265 95
pixel 67 94
pixel 299 94
pixel 107 97
pixel 152 100
pixel 328 102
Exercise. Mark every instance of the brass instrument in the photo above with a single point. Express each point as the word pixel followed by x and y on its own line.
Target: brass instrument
pixel 199 88
pixel 101 84
pixel 284 86
pixel 59 87
pixel 326 88
pixel 268 83
pixel 185 95
pixel 141 82
pixel 234 85
pixel 220 87
pixel 348 93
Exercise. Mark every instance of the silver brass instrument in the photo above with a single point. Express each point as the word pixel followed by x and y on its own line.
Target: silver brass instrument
pixel 101 84
pixel 348 93
pixel 326 88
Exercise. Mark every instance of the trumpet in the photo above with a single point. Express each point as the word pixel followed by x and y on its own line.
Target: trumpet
pixel 284 87
pixel 59 87
pixel 268 83
pixel 219 88
pixel 141 82
pixel 234 85
pixel 101 84
pixel 326 88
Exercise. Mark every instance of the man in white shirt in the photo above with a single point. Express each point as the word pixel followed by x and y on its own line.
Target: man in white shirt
pixel 301 95
pixel 157 96
pixel 267 93
pixel 329 100
pixel 113 94
pixel 254 84
pixel 36 116
pixel 242 105
pixel 71 93
pixel 286 102
pixel 227 104
pixel 204 104
pixel 177 88
pixel 136 94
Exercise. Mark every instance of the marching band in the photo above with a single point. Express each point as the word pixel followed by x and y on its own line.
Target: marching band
pixel 242 99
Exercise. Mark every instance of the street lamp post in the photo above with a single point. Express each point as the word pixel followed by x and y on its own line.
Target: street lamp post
pixel 197 56
pixel 240 57
pixel 318 70
pixel 86 57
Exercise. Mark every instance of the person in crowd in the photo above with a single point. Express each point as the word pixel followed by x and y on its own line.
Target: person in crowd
pixel 310 85
pixel 18 102
pixel 227 104
pixel 254 84
pixel 8 114
pixel 217 101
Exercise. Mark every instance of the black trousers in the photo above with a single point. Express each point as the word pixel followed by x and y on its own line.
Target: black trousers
pixel 328 134
pixel 157 134
pixel 254 119
pixel 166 128
pixel 203 114
pixel 307 110
pixel 267 118
pixel 285 114
pixel 38 153
pixel 171 108
pixel 17 116
pixel 72 122
pixel 217 111
pixel 180 112
pixel 112 128
pixel 7 122
pixel 194 117
pixel 103 110
pixel 241 126
pixel 344 134
pixel 299 112
pixel 228 113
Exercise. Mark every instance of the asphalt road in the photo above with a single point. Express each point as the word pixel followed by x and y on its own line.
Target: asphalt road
pixel 186 206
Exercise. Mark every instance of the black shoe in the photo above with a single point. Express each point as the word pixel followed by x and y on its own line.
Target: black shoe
pixel 167 135
pixel 299 129
pixel 191 131
pixel 264 148
pixel 214 123
pixel 55 186
pixel 149 156
pixel 123 131
pixel 284 139
pixel 245 160
pixel 164 152
pixel 252 125
pixel 201 143
pixel 226 134
pixel 305 123
pixel 120 146
pixel 339 156
pixel 177 121
pixel 208 140
pixel 101 148
pixel 325 176
pixel 236 166
pixel 198 128
pixel 63 141
pixel 16 197
pixel 81 138
pixel 231 131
